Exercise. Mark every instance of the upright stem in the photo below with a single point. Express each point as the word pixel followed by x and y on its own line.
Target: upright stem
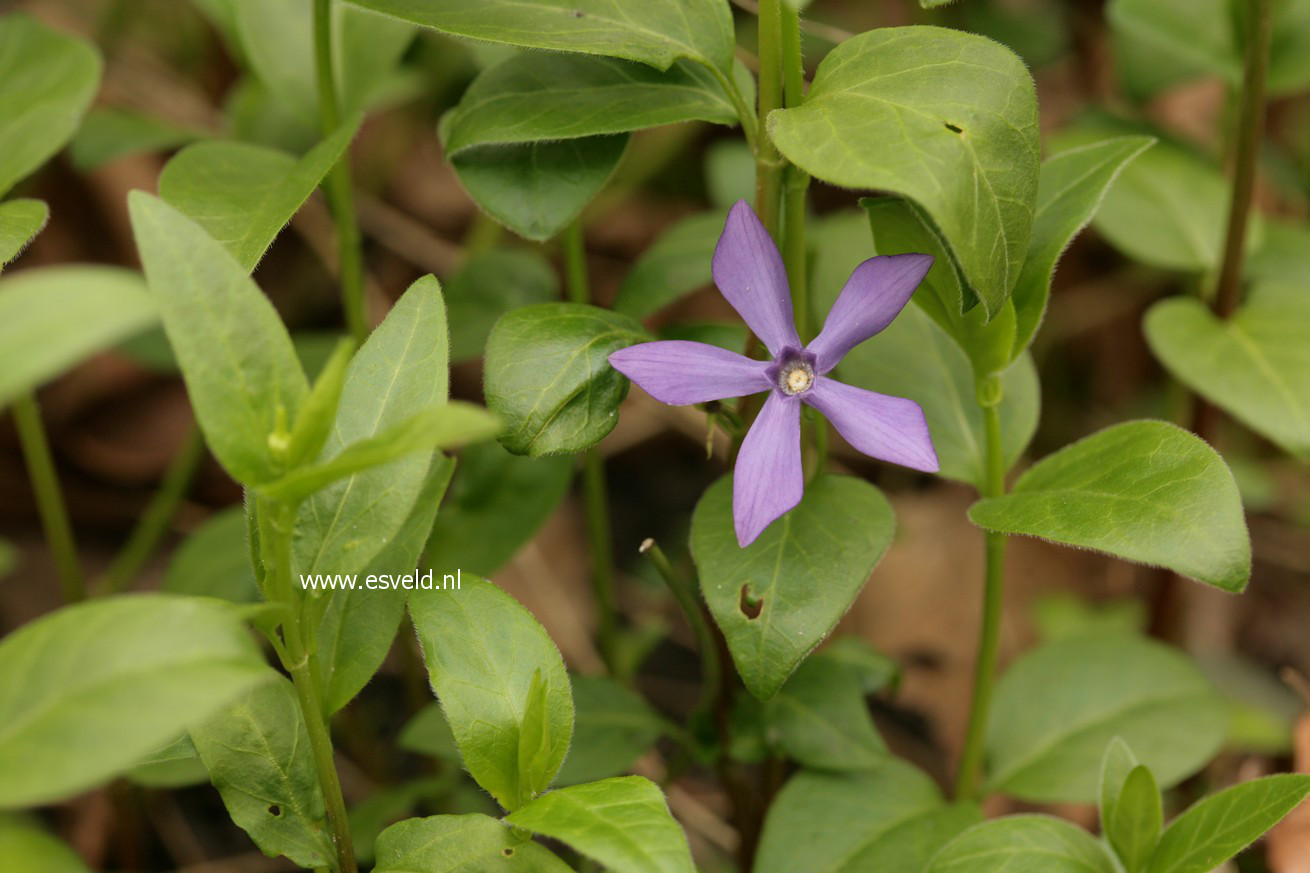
pixel 1249 132
pixel 277 521
pixel 49 499
pixel 339 188
pixel 158 513
pixel 984 681
pixel 768 162
pixel 593 472
pixel 684 592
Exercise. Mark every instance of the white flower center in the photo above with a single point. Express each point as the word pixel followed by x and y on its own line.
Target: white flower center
pixel 796 378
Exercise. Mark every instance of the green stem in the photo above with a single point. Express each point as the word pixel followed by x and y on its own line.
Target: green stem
pixel 1249 133
pixel 158 513
pixel 339 187
pixel 966 782
pixel 49 499
pixel 593 473
pixel 277 521
pixel 768 162
pixel 684 592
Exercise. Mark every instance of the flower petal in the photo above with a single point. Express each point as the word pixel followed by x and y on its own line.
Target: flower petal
pixel 768 479
pixel 875 294
pixel 883 427
pixel 679 372
pixel 749 272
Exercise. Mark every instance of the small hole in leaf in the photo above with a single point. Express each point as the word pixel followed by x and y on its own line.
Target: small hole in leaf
pixel 750 606
pixel 578 13
pixel 954 128
pixel 275 810
pixel 508 853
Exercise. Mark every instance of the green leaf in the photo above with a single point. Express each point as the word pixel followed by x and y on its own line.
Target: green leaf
pixel 489 285
pixel 1255 365
pixel 820 719
pixel 915 358
pixel 1218 827
pixel 214 561
pixel 612 727
pixel 465 637
pixel 773 601
pixel 1072 186
pixel 399 372
pixel 548 375
pixel 146 666
pixel 110 133
pixel 1023 844
pixel 1116 764
pixel 654 32
pixel 26 846
pixel 241 372
pixel 537 189
pixel 428 733
pixel 674 266
pixel 461 844
pixel 357 629
pixel 258 754
pixel 1144 491
pixel 176 765
pixel 1059 705
pixel 438 427
pixel 536 765
pixel 892 818
pixel 47 80
pixel 872 669
pixel 1283 255
pixel 314 423
pixel 277 37
pixel 52 318
pixel 497 504
pixel 944 118
pixel 1135 823
pixel 20 222
pixel 243 194
pixel 533 97
pixel 623 823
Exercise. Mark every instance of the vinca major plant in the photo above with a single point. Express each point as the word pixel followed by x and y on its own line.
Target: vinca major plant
pixel 333 660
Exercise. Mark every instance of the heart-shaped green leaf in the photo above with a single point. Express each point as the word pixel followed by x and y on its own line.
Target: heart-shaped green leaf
pixel 623 823
pixel 20 222
pixel 892 818
pixel 465 636
pixel 548 375
pixel 47 80
pixel 1256 365
pixel 461 844
pixel 944 118
pixel 1023 844
pixel 1060 705
pixel 147 665
pixel 1145 491
pixel 776 599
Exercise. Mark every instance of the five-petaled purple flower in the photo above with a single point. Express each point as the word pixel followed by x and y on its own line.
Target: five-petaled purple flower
pixel 768 479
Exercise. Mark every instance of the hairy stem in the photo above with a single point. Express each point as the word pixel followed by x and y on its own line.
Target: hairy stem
pixel 339 187
pixel 684 591
pixel 593 473
pixel 159 512
pixel 49 499
pixel 277 521
pixel 984 681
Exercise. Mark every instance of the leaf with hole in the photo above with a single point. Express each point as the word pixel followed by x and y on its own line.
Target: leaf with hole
pixel 773 601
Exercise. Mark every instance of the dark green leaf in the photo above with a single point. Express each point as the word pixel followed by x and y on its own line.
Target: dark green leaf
pixel 146 666
pixel 1023 844
pixel 677 264
pixel 258 754
pixel 820 719
pixel 484 694
pixel 1144 491
pixel 52 318
pixel 20 222
pixel 774 600
pixel 548 375
pixel 623 823
pixel 612 727
pixel 214 561
pixel 461 844
pixel 489 285
pixel 1060 705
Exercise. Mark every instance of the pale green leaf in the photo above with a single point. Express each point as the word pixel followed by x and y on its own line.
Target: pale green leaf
pixel 1023 844
pixel 944 118
pixel 675 265
pixel 53 318
pixel 489 285
pixel 1136 821
pixel 1116 764
pixel 461 844
pixel 20 222
pixel 1255 365
pixel 145 666
pixel 1144 491
pixel 624 823
pixel 259 758
pixel 175 765
pixel 1059 706
pixel 773 601
pixel 214 561
pixel 29 848
pixel 109 133
pixel 428 733
pixel 465 637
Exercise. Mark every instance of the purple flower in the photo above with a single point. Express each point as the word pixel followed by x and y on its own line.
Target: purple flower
pixel 768 479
